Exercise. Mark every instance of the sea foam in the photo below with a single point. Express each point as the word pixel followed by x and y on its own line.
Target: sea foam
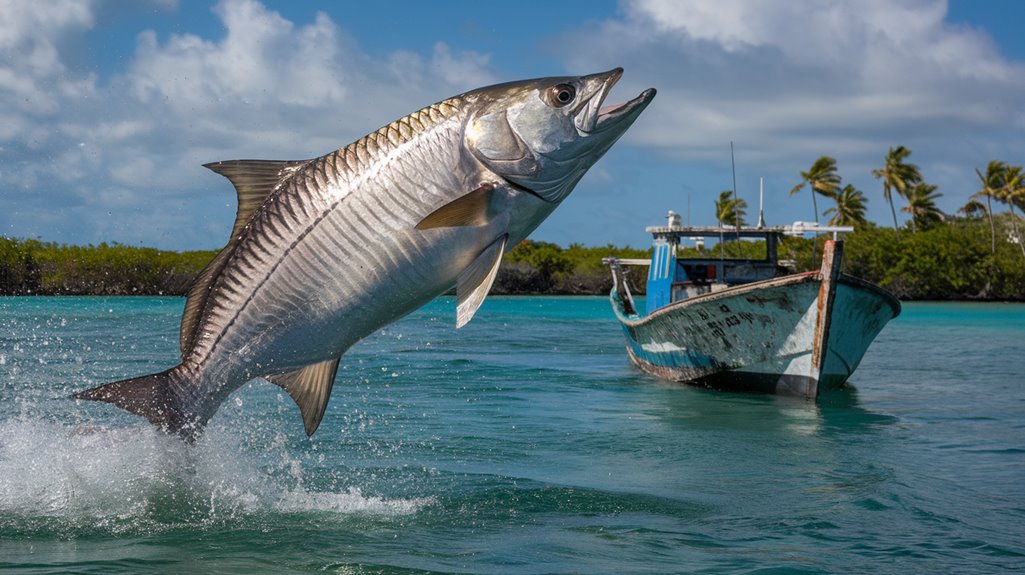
pixel 75 478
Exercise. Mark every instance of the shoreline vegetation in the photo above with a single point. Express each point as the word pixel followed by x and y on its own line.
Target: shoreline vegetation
pixel 974 255
pixel 956 259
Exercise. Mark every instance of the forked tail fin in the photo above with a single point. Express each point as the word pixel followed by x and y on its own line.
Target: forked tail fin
pixel 156 397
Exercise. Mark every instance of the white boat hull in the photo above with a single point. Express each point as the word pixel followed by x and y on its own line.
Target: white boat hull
pixel 793 335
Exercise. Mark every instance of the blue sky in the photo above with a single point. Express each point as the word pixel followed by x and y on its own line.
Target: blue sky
pixel 109 108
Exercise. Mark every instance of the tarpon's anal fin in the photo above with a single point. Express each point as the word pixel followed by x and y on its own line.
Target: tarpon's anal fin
pixel 254 180
pixel 475 282
pixel 468 210
pixel 310 387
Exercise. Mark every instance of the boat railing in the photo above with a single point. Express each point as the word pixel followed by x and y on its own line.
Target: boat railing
pixel 619 284
pixel 676 277
pixel 801 228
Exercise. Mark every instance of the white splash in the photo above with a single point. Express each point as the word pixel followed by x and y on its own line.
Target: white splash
pixel 58 476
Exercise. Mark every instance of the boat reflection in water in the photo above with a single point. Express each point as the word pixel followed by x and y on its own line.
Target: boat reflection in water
pixel 749 324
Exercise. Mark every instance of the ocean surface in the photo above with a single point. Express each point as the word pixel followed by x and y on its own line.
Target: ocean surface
pixel 522 443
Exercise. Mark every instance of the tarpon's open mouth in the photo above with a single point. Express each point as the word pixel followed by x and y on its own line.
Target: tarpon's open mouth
pixel 595 118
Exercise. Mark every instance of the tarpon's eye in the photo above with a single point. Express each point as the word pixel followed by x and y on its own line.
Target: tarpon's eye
pixel 561 94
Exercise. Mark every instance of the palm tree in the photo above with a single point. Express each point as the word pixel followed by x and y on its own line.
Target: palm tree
pixel 1016 186
pixel 992 183
pixel 897 175
pixel 850 207
pixel 1013 194
pixel 922 206
pixel 973 209
pixel 822 179
pixel 729 210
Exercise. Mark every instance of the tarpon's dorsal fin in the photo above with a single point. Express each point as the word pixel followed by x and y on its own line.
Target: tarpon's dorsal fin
pixel 469 210
pixel 254 180
pixel 475 282
pixel 310 387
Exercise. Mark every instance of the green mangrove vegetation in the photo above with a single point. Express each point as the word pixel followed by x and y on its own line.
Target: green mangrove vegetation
pixel 976 254
pixel 45 268
pixel 953 261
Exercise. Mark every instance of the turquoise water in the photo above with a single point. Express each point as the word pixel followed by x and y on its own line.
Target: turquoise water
pixel 522 443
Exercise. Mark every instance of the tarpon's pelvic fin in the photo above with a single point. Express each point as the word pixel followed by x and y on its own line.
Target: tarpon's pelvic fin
pixel 469 210
pixel 475 282
pixel 254 180
pixel 310 387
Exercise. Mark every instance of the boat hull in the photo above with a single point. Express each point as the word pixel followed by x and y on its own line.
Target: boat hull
pixel 793 335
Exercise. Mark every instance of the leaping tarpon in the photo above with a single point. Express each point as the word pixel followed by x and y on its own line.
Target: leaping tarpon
pixel 326 251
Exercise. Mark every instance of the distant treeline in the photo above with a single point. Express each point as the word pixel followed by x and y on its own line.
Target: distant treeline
pixel 45 268
pixel 32 267
pixel 959 259
pixel 962 259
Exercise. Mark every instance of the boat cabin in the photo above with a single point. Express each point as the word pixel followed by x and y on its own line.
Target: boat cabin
pixel 672 278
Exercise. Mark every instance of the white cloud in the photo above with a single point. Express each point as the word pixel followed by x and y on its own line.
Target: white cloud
pixel 95 158
pixel 32 76
pixel 90 156
pixel 871 36
pixel 790 81
pixel 270 88
pixel 762 66
pixel 262 60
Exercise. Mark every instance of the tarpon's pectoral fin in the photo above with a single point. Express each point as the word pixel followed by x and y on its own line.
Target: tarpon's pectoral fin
pixel 468 210
pixel 254 180
pixel 310 387
pixel 475 282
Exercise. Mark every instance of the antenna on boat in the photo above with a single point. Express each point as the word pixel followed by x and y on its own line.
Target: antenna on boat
pixel 733 164
pixel 761 209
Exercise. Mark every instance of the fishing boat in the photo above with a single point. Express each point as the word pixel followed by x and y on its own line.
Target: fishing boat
pixel 748 324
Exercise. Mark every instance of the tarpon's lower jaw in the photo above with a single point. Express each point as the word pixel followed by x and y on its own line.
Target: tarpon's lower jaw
pixel 609 115
pixel 595 118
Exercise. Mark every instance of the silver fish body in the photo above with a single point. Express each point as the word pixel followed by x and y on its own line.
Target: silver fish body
pixel 326 251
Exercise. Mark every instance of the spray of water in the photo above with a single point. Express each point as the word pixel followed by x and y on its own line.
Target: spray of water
pixel 71 479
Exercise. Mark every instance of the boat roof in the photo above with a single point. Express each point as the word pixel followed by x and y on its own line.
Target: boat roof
pixel 795 229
